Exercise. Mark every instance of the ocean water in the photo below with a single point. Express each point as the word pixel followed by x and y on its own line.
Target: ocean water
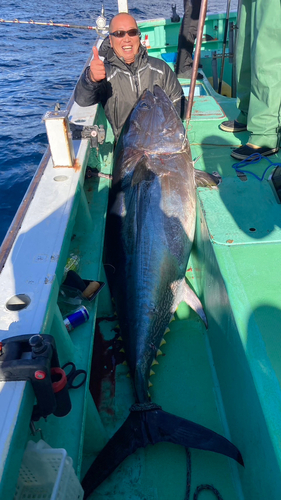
pixel 39 66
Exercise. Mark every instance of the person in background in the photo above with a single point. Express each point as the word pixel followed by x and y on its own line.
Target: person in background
pixel 187 36
pixel 127 70
pixel 258 60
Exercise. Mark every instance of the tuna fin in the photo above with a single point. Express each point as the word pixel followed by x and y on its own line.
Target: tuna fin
pixel 150 427
pixel 203 179
pixel 187 295
pixel 142 172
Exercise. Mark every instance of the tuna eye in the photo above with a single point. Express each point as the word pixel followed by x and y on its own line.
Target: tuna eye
pixel 144 105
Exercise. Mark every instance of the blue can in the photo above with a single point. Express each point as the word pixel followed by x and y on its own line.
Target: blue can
pixel 76 318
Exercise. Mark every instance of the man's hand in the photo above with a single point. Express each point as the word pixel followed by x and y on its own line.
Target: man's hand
pixel 97 68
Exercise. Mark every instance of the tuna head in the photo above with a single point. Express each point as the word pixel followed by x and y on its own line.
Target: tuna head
pixel 154 124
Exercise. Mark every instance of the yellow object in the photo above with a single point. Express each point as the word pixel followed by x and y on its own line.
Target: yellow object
pixel 91 289
pixel 72 264
pixel 225 88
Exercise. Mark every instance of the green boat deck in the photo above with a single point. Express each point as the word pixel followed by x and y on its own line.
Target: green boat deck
pixel 236 270
pixel 226 378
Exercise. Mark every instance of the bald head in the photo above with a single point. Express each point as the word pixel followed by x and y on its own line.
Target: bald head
pixel 119 18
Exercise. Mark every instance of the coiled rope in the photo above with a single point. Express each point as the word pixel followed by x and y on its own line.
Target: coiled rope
pixel 200 488
pixel 252 159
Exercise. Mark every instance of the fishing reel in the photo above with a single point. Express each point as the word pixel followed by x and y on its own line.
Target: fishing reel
pixel 101 21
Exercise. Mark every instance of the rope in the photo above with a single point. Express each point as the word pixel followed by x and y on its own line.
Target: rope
pixel 200 488
pixel 145 407
pixel 188 474
pixel 251 160
pixel 207 487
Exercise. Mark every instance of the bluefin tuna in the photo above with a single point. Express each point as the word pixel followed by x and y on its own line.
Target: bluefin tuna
pixel 151 225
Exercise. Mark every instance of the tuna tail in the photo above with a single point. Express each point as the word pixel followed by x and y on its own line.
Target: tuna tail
pixel 149 424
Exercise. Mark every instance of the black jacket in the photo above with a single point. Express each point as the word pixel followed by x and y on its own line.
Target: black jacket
pixel 124 84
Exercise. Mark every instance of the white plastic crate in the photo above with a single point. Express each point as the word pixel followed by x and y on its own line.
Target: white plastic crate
pixel 47 474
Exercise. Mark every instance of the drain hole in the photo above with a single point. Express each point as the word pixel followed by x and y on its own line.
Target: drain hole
pixel 60 178
pixel 252 229
pixel 18 302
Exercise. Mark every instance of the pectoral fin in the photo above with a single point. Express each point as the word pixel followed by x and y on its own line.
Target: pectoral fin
pixel 203 179
pixel 142 172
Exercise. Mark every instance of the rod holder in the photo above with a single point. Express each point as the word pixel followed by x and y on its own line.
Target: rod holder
pixel 32 358
pixel 123 6
pixel 59 137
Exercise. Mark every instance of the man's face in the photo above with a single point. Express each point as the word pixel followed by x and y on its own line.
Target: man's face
pixel 128 46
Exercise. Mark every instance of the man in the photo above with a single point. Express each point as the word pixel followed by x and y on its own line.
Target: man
pixel 127 70
pixel 258 63
pixel 187 36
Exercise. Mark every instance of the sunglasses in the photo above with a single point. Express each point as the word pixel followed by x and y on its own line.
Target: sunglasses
pixel 121 33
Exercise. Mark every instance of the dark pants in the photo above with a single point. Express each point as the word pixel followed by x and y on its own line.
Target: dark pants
pixel 187 35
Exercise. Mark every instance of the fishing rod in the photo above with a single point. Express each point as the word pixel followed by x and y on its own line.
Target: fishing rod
pixel 224 45
pixel 50 23
pixel 100 23
pixel 195 65
pixel 234 76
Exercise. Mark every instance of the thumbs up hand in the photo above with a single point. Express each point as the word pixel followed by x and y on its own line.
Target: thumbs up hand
pixel 97 68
